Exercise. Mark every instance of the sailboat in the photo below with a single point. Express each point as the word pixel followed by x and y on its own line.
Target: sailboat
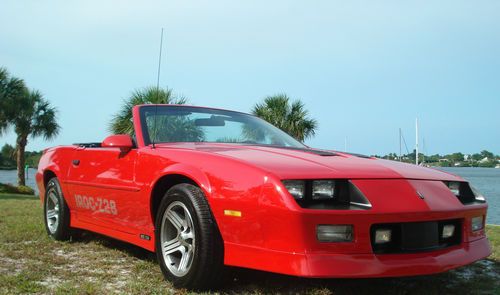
pixel 401 139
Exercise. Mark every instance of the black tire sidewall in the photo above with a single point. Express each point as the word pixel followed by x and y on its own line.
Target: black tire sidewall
pixel 183 193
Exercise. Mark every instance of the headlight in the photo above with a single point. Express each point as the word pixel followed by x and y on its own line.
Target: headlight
pixel 323 189
pixel 326 194
pixel 454 187
pixel 465 192
pixel 296 188
pixel 477 195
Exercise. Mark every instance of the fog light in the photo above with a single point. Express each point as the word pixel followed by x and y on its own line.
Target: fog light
pixel 477 223
pixel 448 231
pixel 334 233
pixel 383 236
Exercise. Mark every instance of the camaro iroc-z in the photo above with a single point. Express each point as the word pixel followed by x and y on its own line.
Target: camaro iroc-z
pixel 206 188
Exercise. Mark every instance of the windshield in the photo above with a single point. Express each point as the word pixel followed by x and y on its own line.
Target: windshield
pixel 164 124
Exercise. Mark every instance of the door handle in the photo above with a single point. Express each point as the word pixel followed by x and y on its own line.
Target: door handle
pixel 76 162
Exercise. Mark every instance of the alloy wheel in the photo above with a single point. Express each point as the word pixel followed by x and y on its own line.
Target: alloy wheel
pixel 178 239
pixel 52 213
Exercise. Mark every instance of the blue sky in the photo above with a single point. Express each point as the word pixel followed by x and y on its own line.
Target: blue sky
pixel 363 68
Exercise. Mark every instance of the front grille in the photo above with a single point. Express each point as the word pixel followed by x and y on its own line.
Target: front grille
pixel 412 237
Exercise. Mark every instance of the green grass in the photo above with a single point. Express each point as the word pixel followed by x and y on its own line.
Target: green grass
pixel 30 262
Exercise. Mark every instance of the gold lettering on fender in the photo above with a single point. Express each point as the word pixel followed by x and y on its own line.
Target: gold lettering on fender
pixel 96 204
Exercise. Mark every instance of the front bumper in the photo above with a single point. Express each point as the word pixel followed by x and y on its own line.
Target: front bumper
pixel 395 265
pixel 345 265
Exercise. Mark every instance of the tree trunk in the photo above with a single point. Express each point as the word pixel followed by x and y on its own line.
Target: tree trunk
pixel 20 147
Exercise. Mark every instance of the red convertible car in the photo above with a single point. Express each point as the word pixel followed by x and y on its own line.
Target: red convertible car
pixel 206 188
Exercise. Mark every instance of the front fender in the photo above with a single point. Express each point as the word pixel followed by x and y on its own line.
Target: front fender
pixel 191 172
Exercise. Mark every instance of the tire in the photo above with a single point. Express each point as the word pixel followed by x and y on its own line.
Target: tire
pixel 56 212
pixel 189 246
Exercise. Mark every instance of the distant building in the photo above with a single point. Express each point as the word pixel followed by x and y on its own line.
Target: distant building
pixel 484 160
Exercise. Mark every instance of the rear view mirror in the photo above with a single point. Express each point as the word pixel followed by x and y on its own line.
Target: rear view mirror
pixel 212 121
pixel 122 141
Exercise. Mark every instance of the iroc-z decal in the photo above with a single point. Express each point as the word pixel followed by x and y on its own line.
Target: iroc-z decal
pixel 100 205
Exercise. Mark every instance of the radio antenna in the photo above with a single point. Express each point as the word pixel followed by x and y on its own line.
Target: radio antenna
pixel 157 89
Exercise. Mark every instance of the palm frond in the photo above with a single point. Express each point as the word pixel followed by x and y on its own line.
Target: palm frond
pixel 293 118
pixel 121 122
pixel 12 89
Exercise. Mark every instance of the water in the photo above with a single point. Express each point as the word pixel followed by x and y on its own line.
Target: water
pixel 486 180
pixel 10 176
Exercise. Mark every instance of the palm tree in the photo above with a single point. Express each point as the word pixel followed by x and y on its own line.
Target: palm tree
pixel 10 89
pixel 34 117
pixel 121 123
pixel 292 118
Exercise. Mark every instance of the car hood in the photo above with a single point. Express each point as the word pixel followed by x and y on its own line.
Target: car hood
pixel 310 163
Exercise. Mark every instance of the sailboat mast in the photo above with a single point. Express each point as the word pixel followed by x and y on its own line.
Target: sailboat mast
pixel 416 141
pixel 424 150
pixel 399 144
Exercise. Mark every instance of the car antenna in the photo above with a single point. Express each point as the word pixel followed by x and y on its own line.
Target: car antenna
pixel 157 89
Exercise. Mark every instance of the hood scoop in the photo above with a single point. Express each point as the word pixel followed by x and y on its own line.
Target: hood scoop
pixel 320 153
pixel 358 155
pixel 312 151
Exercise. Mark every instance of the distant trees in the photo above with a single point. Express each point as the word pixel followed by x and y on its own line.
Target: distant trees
pixel 28 112
pixel 486 154
pixel 482 159
pixel 456 157
pixel 291 117
pixel 432 158
pixel 7 157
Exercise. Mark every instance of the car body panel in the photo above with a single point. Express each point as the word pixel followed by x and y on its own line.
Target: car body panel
pixel 272 232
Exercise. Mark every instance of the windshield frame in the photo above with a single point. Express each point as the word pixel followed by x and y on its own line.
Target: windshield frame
pixel 158 108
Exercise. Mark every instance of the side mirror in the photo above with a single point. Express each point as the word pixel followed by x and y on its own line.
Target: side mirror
pixel 122 141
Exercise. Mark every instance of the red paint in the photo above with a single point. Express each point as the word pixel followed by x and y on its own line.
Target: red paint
pixel 274 233
pixel 121 141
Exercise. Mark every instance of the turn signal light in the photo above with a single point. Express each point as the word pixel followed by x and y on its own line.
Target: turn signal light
pixel 477 223
pixel 334 233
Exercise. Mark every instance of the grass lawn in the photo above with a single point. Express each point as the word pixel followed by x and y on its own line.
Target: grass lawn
pixel 32 263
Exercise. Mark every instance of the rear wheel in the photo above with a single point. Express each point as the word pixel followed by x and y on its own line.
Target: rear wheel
pixel 188 243
pixel 56 211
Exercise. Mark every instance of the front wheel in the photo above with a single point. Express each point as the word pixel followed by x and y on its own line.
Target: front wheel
pixel 188 243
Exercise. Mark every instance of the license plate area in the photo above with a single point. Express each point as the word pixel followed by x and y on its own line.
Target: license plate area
pixel 419 236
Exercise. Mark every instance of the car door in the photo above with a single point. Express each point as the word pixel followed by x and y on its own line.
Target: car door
pixel 101 182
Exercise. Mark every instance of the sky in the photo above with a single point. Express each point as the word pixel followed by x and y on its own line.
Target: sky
pixel 364 69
